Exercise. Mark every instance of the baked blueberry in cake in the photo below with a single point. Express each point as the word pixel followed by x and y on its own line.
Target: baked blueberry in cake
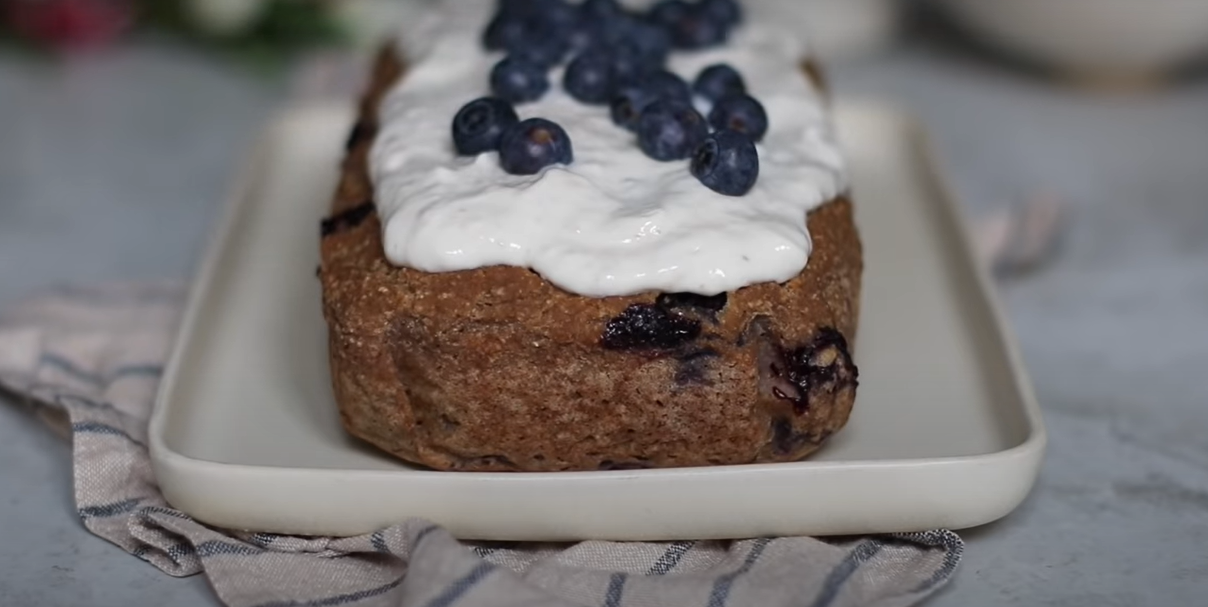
pixel 592 236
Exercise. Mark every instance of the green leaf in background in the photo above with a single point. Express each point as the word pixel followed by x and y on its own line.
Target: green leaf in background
pixel 276 30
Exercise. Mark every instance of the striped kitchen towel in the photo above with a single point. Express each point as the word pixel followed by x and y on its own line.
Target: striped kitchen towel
pixel 91 358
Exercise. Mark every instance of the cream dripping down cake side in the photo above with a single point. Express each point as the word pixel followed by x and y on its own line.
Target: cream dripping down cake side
pixel 592 236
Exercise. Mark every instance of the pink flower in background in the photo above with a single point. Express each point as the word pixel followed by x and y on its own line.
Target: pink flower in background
pixel 69 23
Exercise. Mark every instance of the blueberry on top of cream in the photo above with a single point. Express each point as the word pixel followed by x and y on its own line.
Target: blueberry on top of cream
pixel 627 105
pixel 531 145
pixel 670 129
pixel 517 80
pixel 741 114
pixel 625 211
pixel 589 77
pixel 727 163
pixel 480 124
pixel 666 85
pixel 726 12
pixel 717 81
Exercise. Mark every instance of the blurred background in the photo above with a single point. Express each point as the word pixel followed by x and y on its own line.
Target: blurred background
pixel 1074 132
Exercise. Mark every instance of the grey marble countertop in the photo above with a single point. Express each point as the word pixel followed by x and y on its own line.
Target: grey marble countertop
pixel 113 167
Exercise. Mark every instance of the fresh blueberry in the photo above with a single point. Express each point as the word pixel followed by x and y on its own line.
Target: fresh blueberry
pixel 666 85
pixel 667 13
pixel 613 28
pixel 558 15
pixel 740 113
pixel 627 105
pixel 640 42
pixel 480 124
pixel 548 25
pixel 725 12
pixel 607 29
pixel 651 42
pixel 552 12
pixel 582 39
pixel 633 94
pixel 670 129
pixel 603 30
pixel 504 32
pixel 726 163
pixel 718 81
pixel 555 20
pixel 696 30
pixel 516 80
pixel 545 51
pixel 598 10
pixel 589 77
pixel 533 144
pixel 514 8
pixel 628 64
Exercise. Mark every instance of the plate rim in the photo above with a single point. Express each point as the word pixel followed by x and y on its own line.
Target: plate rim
pixel 251 178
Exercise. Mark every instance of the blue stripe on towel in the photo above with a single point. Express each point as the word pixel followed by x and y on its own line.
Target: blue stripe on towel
pixel 844 570
pixel 99 428
pixel 670 558
pixel 462 586
pixel 378 539
pixel 108 510
pixel 616 586
pixel 721 588
pixel 61 363
pixel 221 548
pixel 340 599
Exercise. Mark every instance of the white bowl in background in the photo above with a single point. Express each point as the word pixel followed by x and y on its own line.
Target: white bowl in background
pixel 837 29
pixel 1091 37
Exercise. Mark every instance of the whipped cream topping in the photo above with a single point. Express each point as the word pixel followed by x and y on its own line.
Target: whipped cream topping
pixel 615 222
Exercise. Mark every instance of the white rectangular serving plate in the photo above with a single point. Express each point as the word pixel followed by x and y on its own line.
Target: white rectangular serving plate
pixel 945 431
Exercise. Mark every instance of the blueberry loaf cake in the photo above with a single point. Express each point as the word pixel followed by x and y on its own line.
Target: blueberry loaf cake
pixel 592 236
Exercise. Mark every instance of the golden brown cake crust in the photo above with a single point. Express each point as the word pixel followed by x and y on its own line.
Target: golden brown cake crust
pixel 495 369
